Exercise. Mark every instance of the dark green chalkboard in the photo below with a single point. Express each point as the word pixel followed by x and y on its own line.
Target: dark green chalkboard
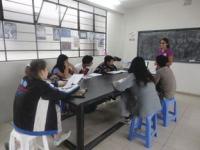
pixel 185 44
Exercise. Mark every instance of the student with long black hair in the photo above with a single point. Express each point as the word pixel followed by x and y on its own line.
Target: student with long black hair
pixel 141 86
pixel 63 68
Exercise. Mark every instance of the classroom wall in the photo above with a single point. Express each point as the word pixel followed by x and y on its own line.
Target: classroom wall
pixel 11 72
pixel 115 30
pixel 167 15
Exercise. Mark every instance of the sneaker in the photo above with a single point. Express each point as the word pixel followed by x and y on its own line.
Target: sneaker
pixel 62 138
pixel 127 120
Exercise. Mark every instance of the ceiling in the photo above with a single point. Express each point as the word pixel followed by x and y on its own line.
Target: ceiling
pixel 135 3
pixel 128 4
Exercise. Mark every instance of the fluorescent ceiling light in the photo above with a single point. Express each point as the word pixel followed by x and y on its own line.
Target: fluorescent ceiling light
pixel 106 3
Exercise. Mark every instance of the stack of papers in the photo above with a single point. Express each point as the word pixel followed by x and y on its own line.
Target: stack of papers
pixel 73 80
pixel 92 75
pixel 116 72
pixel 69 90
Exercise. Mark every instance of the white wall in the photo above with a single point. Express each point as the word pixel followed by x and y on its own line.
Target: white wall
pixel 115 31
pixel 168 15
pixel 12 72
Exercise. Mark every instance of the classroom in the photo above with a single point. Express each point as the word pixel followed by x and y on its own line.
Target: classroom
pixel 99 74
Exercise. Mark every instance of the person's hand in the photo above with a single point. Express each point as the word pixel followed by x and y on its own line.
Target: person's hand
pixel 62 83
pixel 54 78
pixel 71 71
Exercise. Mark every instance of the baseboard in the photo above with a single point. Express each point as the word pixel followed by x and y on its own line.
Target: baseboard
pixel 189 94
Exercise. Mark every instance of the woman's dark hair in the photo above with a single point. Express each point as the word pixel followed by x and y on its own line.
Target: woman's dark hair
pixel 117 58
pixel 166 41
pixel 87 59
pixel 108 58
pixel 36 66
pixel 60 64
pixel 161 60
pixel 139 69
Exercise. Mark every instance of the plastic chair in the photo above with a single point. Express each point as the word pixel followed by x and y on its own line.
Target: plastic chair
pixel 168 115
pixel 26 142
pixel 150 129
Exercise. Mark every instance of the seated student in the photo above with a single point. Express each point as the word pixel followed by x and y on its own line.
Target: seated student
pixel 106 66
pixel 164 78
pixel 27 70
pixel 141 87
pixel 35 109
pixel 85 66
pixel 63 69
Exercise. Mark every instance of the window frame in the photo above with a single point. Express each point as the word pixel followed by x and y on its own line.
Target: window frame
pixel 35 23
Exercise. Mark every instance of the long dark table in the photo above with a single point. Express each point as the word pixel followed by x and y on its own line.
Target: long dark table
pixel 99 90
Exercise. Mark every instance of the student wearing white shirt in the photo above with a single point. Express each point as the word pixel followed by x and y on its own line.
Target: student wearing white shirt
pixel 85 66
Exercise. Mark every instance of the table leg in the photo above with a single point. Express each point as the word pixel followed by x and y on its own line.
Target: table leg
pixel 80 127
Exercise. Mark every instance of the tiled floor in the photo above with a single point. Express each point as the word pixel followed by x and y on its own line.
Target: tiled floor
pixel 183 135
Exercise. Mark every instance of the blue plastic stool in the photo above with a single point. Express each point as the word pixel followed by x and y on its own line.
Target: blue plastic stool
pixel 150 129
pixel 168 115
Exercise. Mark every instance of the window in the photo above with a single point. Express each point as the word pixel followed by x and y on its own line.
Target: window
pixel 47 28
pixel 16 10
pixel 2 51
pixel 70 19
pixel 86 21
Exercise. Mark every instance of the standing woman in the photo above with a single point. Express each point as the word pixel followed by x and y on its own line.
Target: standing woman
pixel 165 50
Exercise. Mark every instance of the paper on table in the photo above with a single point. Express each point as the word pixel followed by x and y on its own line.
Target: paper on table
pixel 116 72
pixel 92 75
pixel 153 71
pixel 68 90
pixel 74 79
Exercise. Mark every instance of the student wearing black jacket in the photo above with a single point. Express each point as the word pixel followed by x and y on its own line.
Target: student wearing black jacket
pixel 35 102
pixel 106 66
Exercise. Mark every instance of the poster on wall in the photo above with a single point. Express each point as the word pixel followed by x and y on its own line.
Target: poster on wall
pixel 90 37
pixel 41 33
pixel 56 34
pixel 66 46
pixel 65 32
pixel 74 33
pixel 10 30
pixel 76 43
pixel 101 43
pixel 83 35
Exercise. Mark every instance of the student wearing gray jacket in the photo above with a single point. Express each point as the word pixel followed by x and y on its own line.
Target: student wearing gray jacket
pixel 165 79
pixel 142 91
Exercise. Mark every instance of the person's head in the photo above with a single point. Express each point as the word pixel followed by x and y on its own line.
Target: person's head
pixel 87 60
pixel 108 60
pixel 62 61
pixel 139 69
pixel 164 43
pixel 38 69
pixel 117 58
pixel 161 61
pixel 27 70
